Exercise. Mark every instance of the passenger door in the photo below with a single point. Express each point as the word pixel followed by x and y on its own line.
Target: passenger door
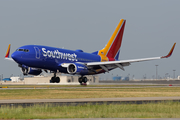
pixel 37 50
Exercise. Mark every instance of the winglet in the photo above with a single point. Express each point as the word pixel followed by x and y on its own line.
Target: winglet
pixel 170 53
pixel 8 51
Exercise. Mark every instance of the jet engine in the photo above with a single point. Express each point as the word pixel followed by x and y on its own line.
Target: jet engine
pixel 77 68
pixel 30 71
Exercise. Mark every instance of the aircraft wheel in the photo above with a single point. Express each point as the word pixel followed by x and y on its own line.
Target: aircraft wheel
pixel 52 80
pixel 57 80
pixel 84 79
pixel 80 80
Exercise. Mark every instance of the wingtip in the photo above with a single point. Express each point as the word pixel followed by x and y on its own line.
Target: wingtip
pixel 8 51
pixel 170 52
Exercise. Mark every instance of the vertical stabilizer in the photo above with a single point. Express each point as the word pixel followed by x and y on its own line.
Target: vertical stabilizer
pixel 112 49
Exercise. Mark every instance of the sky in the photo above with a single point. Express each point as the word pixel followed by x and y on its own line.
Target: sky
pixel 152 27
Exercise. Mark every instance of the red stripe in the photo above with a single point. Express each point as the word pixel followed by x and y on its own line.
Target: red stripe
pixel 111 59
pixel 7 55
pixel 117 43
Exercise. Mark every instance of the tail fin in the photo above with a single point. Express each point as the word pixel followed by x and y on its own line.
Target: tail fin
pixel 112 49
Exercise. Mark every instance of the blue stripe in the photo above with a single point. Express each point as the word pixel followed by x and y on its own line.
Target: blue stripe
pixel 117 55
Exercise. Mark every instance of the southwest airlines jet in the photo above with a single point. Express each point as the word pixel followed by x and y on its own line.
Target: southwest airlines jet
pixel 32 59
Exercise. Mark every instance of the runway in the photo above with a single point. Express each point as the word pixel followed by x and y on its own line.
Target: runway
pixel 131 100
pixel 86 87
pixel 143 82
pixel 101 84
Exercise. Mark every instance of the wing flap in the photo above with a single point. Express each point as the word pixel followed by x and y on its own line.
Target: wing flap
pixel 104 68
pixel 120 66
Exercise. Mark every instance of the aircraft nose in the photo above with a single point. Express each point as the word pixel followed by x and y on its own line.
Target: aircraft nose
pixel 14 56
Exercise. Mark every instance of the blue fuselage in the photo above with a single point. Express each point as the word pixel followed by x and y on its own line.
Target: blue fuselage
pixel 51 58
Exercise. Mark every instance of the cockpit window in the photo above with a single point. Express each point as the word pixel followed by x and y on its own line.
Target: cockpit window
pixel 25 50
pixel 19 50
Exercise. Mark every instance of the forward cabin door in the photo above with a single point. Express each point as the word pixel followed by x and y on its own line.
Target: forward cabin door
pixel 37 50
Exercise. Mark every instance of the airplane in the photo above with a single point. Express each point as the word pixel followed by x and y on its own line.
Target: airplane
pixel 33 59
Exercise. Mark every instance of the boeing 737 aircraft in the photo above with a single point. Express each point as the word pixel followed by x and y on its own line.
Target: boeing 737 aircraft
pixel 32 59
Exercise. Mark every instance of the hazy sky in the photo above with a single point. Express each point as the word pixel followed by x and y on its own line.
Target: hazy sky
pixel 152 26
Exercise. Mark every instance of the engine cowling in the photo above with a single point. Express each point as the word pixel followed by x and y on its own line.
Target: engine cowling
pixel 30 71
pixel 77 68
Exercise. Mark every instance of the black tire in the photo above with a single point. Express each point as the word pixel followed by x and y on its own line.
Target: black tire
pixel 52 80
pixel 80 80
pixel 57 80
pixel 84 79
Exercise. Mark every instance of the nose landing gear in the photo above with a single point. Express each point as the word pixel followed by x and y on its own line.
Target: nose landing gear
pixel 83 80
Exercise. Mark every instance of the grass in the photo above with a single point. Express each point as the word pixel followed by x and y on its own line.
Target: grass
pixel 152 110
pixel 88 93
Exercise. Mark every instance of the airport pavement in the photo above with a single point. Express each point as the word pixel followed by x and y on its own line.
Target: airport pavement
pixel 156 82
pixel 87 87
pixel 89 99
pixel 132 100
pixel 109 82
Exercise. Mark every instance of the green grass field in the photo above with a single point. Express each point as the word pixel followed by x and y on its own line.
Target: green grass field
pixel 88 93
pixel 151 110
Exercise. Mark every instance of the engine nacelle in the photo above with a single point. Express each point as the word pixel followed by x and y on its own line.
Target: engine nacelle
pixel 77 68
pixel 30 71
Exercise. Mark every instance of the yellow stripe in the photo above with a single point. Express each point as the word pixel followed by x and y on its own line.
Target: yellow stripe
pixel 8 49
pixel 104 58
pixel 104 51
pixel 172 48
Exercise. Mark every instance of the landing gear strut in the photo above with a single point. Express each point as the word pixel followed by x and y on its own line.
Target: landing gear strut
pixel 55 79
pixel 82 80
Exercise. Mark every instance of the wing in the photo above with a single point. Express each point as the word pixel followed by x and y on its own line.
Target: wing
pixel 114 64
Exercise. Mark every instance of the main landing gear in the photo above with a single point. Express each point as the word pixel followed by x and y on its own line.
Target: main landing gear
pixel 55 79
pixel 82 80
